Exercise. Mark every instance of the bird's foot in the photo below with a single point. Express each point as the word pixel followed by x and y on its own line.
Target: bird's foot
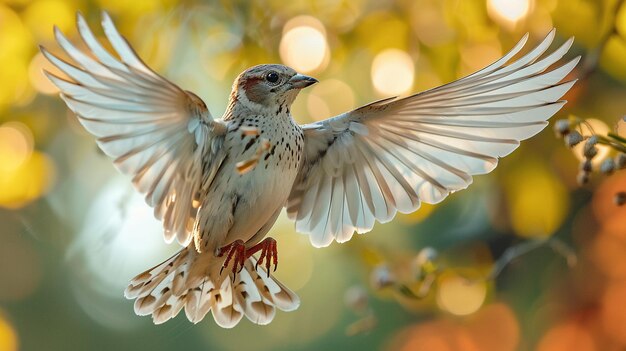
pixel 236 251
pixel 269 254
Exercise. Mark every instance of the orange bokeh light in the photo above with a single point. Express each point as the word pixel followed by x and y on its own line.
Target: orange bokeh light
pixel 607 252
pixel 442 335
pixel 566 337
pixel 612 217
pixel 494 328
pixel 613 311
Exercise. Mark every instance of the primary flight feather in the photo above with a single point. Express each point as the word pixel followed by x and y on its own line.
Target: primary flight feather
pixel 218 184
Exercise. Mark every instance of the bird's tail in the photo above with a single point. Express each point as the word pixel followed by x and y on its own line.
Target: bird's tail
pixel 186 281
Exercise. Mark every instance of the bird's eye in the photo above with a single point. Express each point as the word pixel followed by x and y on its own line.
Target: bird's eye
pixel 272 77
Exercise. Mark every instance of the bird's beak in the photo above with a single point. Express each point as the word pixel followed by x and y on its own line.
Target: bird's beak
pixel 300 81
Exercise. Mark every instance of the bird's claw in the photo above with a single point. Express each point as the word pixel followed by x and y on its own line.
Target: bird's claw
pixel 235 251
pixel 269 254
pixel 238 252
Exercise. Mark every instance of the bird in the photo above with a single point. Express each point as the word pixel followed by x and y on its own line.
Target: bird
pixel 219 184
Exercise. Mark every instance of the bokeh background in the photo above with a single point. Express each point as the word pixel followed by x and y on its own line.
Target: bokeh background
pixel 73 232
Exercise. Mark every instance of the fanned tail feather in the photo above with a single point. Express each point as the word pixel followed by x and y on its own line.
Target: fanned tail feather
pixel 163 291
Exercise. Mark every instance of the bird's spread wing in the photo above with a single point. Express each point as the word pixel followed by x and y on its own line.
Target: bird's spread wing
pixel 390 155
pixel 155 131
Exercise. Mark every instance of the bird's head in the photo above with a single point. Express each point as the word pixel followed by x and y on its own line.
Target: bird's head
pixel 269 86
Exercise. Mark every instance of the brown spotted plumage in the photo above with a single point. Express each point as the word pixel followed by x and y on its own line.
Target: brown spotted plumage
pixel 218 184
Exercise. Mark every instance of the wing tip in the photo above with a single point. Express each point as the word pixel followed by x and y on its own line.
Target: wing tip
pixel 48 75
pixel 80 20
pixel 107 22
pixel 574 62
pixel 551 34
pixel 105 15
pixel 567 44
pixel 48 55
pixel 60 37
pixel 520 44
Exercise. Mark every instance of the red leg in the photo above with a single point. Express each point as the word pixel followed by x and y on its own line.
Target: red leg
pixel 237 251
pixel 269 253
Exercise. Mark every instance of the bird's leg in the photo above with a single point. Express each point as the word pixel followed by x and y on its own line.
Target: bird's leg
pixel 237 251
pixel 269 253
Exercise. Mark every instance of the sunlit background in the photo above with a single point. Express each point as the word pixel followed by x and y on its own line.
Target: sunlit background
pixel 73 232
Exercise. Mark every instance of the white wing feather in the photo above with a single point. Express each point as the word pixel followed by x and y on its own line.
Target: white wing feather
pixel 391 155
pixel 155 131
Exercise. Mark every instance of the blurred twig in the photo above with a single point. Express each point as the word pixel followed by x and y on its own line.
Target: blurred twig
pixel 521 249
pixel 431 268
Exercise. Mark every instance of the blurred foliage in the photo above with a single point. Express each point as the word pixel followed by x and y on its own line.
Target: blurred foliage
pixel 74 232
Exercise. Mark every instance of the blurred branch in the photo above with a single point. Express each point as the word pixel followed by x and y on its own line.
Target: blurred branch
pixel 430 268
pixel 521 249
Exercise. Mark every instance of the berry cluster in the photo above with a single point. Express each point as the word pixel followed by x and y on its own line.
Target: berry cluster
pixel 571 132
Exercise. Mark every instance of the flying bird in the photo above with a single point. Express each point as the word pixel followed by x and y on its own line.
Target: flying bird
pixel 218 184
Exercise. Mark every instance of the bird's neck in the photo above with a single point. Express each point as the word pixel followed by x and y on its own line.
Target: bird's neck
pixel 239 107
